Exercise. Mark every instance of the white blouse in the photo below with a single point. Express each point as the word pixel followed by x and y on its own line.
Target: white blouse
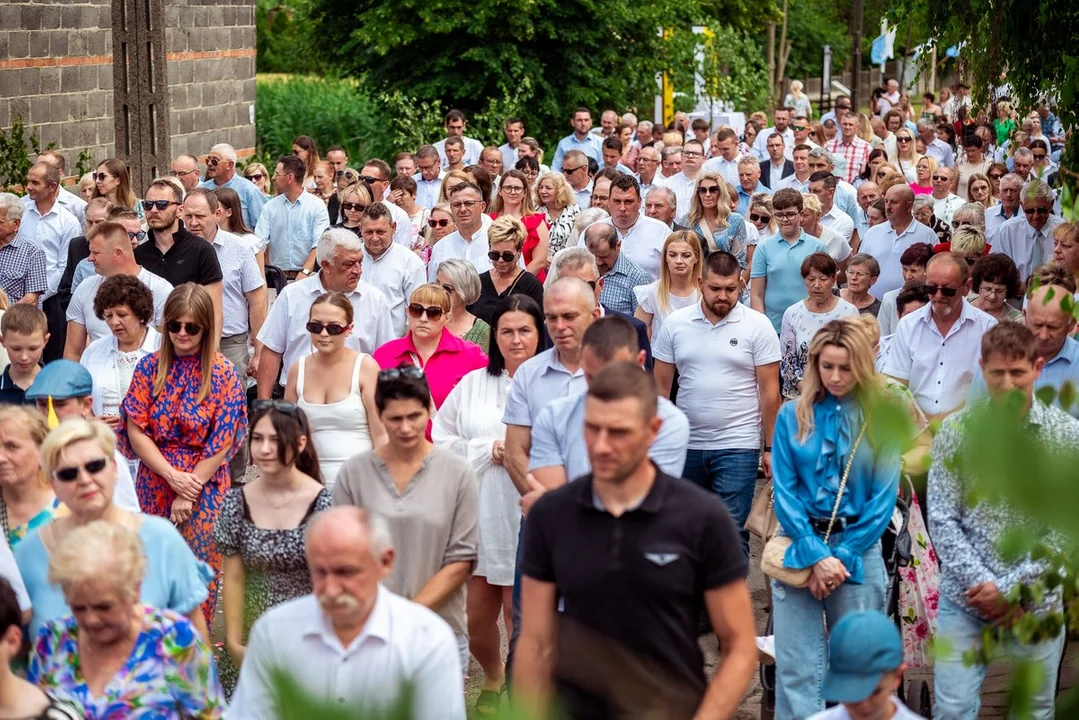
pixel 112 369
pixel 648 300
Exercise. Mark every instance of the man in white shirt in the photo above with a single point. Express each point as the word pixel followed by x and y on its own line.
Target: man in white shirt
pixel 683 183
pixel 575 170
pixel 111 253
pixel 46 222
pixel 429 178
pixel 887 241
pixel 801 128
pixel 469 240
pixel 936 349
pixel 935 147
pixel 455 127
pixel 782 118
pixel 726 156
pixel 823 185
pixel 945 202
pixel 284 338
pixel 799 179
pixel 1008 207
pixel 376 173
pixel 868 193
pixel 640 236
pixel 727 357
pixel 648 169
pixel 514 130
pixel 392 268
pixel 1028 238
pixel 73 203
pixel 351 641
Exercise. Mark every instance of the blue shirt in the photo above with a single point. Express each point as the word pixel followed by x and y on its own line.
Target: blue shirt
pixel 591 146
pixel 743 197
pixel 780 264
pixel 558 438
pixel 618 285
pixel 806 477
pixel 175 579
pixel 537 382
pixel 1063 368
pixel 846 198
pixel 85 269
pixel 292 229
pixel 251 198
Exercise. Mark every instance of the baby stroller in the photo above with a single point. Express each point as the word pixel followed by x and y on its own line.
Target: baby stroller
pixel 896 548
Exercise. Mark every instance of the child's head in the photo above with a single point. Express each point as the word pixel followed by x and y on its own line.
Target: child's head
pixel 24 332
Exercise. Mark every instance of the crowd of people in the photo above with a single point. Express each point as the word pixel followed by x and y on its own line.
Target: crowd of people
pixel 374 412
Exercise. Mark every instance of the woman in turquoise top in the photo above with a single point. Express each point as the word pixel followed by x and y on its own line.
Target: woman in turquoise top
pixel 26 499
pixel 711 218
pixel 79 457
pixel 815 436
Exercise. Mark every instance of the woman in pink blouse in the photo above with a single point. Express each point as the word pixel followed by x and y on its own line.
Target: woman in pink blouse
pixel 445 359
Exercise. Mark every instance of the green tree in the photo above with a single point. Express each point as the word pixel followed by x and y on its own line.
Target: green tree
pixel 730 63
pixel 284 38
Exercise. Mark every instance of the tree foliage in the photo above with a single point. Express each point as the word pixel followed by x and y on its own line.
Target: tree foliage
pixel 811 25
pixel 730 63
pixel 285 41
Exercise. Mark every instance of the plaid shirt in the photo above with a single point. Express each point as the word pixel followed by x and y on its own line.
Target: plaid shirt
pixel 856 155
pixel 22 269
pixel 618 285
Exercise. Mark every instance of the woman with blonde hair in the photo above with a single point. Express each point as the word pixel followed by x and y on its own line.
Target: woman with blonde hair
pixel 186 417
pixel 677 284
pixel 440 223
pixel 559 205
pixel 459 278
pixel 1066 247
pixel 711 218
pixel 453 177
pixel 923 180
pixel 865 131
pixel 260 176
pixel 112 181
pixel 353 200
pixel 970 213
pixel 87 187
pixel 515 199
pixel 829 461
pixel 906 154
pixel 27 501
pixel 798 101
pixel 505 238
pixel 969 242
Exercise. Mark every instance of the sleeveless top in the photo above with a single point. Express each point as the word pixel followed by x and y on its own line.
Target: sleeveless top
pixel 339 429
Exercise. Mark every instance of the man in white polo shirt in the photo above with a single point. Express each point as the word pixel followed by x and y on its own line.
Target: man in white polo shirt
pixel 887 241
pixel 392 268
pixel 727 357
pixel 641 237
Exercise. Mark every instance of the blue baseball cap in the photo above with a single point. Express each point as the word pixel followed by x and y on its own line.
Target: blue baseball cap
pixel 61 379
pixel 863 647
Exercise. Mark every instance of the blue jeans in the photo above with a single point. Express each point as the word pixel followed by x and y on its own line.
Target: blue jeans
pixel 731 474
pixel 798 621
pixel 958 687
pixel 516 603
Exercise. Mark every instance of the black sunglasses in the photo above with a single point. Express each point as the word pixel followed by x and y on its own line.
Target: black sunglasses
pixel 369 179
pixel 100 177
pixel 140 235
pixel 931 290
pixel 410 372
pixel 332 329
pixel 68 474
pixel 289 408
pixel 255 177
pixel 760 218
pixel 175 326
pixel 996 176
pixel 504 256
pixel 355 207
pixel 433 311
pixel 713 190
pixel 161 205
pixel 1036 211
pixel 431 222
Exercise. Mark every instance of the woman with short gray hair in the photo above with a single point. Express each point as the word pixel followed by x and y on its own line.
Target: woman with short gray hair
pixel 460 279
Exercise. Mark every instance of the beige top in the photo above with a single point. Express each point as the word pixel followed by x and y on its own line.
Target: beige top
pixel 434 522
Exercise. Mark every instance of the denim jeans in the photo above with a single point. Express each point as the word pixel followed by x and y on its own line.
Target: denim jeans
pixel 958 687
pixel 516 603
pixel 799 619
pixel 731 474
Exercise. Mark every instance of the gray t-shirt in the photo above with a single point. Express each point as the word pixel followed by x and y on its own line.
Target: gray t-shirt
pixel 434 522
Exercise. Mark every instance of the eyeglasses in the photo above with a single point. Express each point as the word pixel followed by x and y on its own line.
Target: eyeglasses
pixel 433 312
pixel 469 204
pixel 431 222
pixel 161 205
pixel 175 326
pixel 1039 156
pixel 570 171
pixel 996 176
pixel 257 177
pixel 787 216
pixel 181 173
pixel 140 235
pixel 754 217
pixel 798 128
pixel 289 408
pixel 857 274
pixel 1036 211
pixel 449 288
pixel 931 290
pixel 942 178
pixel 70 473
pixel 332 329
pixel 409 372
pixel 504 256
pixel 691 154
pixel 513 189
pixel 354 207
pixel 710 190
pixel 100 177
pixel 370 179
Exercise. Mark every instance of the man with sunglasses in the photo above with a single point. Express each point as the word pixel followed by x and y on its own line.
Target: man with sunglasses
pixel 936 349
pixel 376 173
pixel 292 221
pixel 429 176
pixel 575 170
pixel 581 140
pixel 389 266
pixel 221 172
pixel 1028 238
pixel 945 202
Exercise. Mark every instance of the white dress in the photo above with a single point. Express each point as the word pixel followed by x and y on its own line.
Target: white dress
pixel 468 423
pixel 339 429
pixel 648 300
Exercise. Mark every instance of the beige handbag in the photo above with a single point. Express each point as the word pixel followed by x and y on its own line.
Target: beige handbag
pixel 775 549
pixel 762 520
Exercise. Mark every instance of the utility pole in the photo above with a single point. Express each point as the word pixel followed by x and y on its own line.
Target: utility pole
pixel 856 56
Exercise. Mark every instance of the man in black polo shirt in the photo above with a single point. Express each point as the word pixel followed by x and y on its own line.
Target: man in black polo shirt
pixel 170 250
pixel 633 555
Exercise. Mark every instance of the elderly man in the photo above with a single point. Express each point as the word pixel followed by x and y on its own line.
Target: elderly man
pixel 945 202
pixel 221 172
pixel 1028 239
pixel 935 147
pixel 935 350
pixel 1022 162
pixel 661 204
pixel 387 643
pixel 575 170
pixel 648 169
pixel 850 147
pixel 1007 208
pixel 868 193
pixel 429 176
pixel 284 335
pixel 671 164
pixel 469 240
pixel 22 262
pixel 645 135
pixel 185 168
pixel 389 266
pixel 73 203
pixel 823 185
pixel 749 182
pixel 887 241
pixel 292 222
pixel 620 274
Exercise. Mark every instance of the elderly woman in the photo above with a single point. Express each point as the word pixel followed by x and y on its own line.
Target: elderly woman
pixel 829 462
pixel 115 655
pixel 923 213
pixel 26 499
pixel 185 416
pixel 995 278
pixel 980 191
pixel 444 357
pixel 836 244
pixel 127 307
pixel 560 209
pixel 505 238
pixel 79 458
pixel 863 271
pixel 972 214
pixel 460 280
pixel 1066 247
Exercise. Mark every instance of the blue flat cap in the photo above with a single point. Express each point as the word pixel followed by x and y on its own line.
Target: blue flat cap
pixel 61 379
pixel 863 647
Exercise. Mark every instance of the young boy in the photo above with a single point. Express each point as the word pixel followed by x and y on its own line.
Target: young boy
pixel 23 333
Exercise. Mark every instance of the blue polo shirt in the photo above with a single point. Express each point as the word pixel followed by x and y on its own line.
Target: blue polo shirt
pixel 780 264
pixel 1061 369
pixel 590 146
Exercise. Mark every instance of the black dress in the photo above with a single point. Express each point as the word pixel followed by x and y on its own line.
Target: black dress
pixel 525 284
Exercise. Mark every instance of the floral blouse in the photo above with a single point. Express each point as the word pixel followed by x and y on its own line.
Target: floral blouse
pixel 170 672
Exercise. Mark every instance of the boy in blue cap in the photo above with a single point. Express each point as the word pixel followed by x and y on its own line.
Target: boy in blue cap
pixel 865 669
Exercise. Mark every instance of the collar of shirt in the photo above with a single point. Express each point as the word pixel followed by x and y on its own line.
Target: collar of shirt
pixel 150 343
pixel 651 503
pixel 736 314
pixel 31 206
pixel 376 626
pixel 315 288
pixel 620 264
pixel 447 343
pixel 181 235
pixel 966 314
pixel 1068 353
pixel 555 364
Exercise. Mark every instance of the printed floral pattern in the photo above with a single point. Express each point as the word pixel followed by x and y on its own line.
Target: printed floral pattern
pixel 919 592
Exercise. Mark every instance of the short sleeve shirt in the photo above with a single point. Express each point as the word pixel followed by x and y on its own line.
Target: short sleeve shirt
pixel 780 264
pixel 190 259
pixel 538 381
pixel 81 309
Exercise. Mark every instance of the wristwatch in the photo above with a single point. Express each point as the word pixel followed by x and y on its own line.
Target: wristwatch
pixel 304 271
pixel 767 448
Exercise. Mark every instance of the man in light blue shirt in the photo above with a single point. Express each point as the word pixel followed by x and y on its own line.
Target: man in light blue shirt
pixel 580 139
pixel 221 172
pixel 558 452
pixel 293 221
pixel 749 182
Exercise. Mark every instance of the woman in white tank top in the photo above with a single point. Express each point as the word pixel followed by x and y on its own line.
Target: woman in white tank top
pixel 335 386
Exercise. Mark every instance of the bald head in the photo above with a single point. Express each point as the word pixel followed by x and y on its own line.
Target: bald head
pixel 899 205
pixel 351 525
pixel 571 289
pixel 1046 318
pixel 867 193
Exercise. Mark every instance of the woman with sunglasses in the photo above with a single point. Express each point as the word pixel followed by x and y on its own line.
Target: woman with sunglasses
pixel 111 180
pixel 259 175
pixel 27 500
pixel 233 222
pixel 304 147
pixel 711 218
pixel 995 172
pixel 877 157
pixel 440 223
pixel 185 417
pixel 443 357
pixel 505 238
pixel 428 495
pixel 906 155
pixel 515 199
pixel 260 530
pixel 760 216
pixel 335 387
pixel 354 200
pixel 79 459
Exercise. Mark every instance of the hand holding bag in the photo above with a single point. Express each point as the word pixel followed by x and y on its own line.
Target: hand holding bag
pixel 776 548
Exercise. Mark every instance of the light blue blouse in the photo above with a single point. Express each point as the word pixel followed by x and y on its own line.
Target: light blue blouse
pixel 175 579
pixel 730 239
pixel 806 480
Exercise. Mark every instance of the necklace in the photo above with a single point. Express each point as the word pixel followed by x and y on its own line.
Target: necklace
pixel 288 501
